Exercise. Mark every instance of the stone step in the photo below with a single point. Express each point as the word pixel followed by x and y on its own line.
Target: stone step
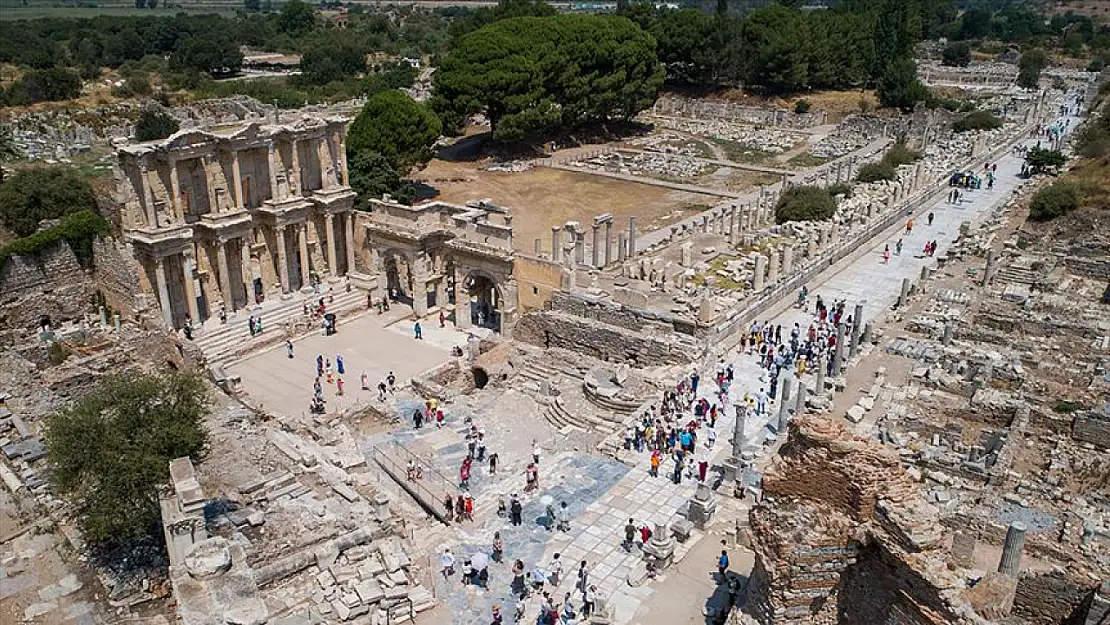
pixel 233 339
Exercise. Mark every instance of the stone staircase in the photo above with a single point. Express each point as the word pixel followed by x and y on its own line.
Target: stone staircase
pixel 1015 274
pixel 537 371
pixel 558 415
pixel 224 344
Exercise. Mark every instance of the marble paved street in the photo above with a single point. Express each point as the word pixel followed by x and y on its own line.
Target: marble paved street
pixel 602 494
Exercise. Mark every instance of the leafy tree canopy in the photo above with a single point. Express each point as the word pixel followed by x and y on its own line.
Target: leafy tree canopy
pixel 212 54
pixel 532 75
pixel 110 452
pixel 154 123
pixel 1029 68
pixel 372 176
pixel 296 18
pixel 977 120
pixel 336 60
pixel 37 193
pixel 898 86
pixel 957 54
pixel 392 125
pixel 1042 159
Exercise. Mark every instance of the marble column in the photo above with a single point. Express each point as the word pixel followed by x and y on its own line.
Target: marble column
pixel 283 260
pixel 207 162
pixel 349 239
pixel 462 303
pixel 271 156
pixel 302 249
pixel 608 241
pixel 225 275
pixel 822 364
pixel 787 259
pixel 857 325
pixel 295 181
pixel 800 399
pixel 555 243
pixel 784 405
pixel 632 236
pixel 738 430
pixel 343 159
pixel 596 252
pixel 622 246
pixel 329 220
pixel 773 268
pixel 237 183
pixel 811 246
pixel 760 268
pixel 187 271
pixel 163 291
pixel 579 247
pixel 245 271
pixel 148 197
pixel 175 190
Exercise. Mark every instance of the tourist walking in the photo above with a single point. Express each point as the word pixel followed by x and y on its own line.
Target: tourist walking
pixel 722 566
pixel 417 332
pixel 289 348
pixel 629 535
pixel 447 564
pixel 515 510
pixel 498 547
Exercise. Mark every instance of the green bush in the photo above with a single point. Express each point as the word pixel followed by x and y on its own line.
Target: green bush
pixel 58 353
pixel 155 124
pixel 957 54
pixel 1059 198
pixel 873 172
pixel 802 107
pixel 841 188
pixel 899 154
pixel 1043 159
pixel 37 193
pixel 78 229
pixel 805 203
pixel 977 120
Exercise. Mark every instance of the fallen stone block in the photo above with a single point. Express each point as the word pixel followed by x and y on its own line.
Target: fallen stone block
pixel 369 592
pixel 855 413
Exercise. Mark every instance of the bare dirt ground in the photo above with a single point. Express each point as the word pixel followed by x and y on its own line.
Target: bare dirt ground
pixel 542 197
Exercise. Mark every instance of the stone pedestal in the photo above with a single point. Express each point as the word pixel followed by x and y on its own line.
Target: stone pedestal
pixel 660 549
pixel 702 506
pixel 603 613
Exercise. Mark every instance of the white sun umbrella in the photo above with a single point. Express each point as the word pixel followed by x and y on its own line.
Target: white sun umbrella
pixel 479 561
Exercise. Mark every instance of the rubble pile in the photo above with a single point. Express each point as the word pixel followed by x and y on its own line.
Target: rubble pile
pixel 638 164
pixel 763 139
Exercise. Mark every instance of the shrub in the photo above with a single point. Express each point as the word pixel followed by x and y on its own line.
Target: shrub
pixel 77 229
pixel 155 124
pixel 873 172
pixel 38 193
pixel 1041 159
pixel 805 203
pixel 899 154
pixel 58 353
pixel 802 107
pixel 977 120
pixel 1059 198
pixel 841 188
pixel 957 54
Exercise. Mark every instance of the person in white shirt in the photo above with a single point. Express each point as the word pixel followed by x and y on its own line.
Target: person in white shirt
pixel 447 563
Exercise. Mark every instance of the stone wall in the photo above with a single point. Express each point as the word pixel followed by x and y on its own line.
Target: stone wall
pixel 600 340
pixel 53 284
pixel 537 279
pixel 1053 597
pixel 641 320
pixel 1092 427
pixel 118 277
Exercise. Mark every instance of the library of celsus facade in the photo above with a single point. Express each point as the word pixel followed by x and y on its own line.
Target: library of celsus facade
pixel 227 216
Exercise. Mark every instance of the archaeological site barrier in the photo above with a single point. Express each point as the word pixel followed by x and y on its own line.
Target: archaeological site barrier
pixel 429 490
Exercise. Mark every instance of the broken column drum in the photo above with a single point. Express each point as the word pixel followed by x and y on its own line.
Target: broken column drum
pixel 1010 562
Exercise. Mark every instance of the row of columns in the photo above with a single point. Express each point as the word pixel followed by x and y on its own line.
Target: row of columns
pixel 211 160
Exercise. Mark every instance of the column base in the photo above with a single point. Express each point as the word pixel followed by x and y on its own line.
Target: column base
pixel 286 296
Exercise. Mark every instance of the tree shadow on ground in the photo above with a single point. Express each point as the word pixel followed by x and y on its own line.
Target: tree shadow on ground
pixel 482 145
pixel 729 595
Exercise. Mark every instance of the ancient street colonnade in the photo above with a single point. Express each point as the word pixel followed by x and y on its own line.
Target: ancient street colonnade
pixel 228 215
pixel 441 255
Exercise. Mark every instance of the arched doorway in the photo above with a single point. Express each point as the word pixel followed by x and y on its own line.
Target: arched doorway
pixel 398 276
pixel 485 301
